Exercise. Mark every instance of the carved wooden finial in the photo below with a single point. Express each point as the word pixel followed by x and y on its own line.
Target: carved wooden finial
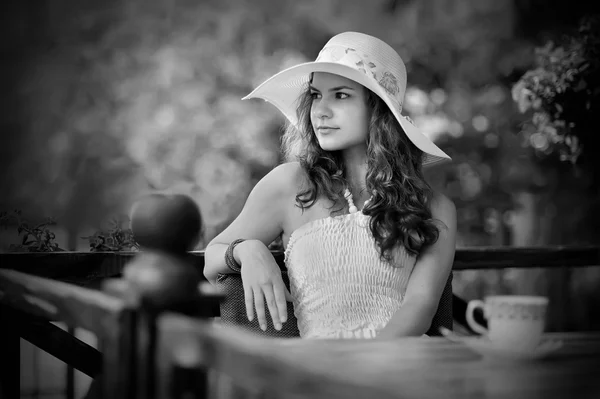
pixel 166 222
pixel 166 226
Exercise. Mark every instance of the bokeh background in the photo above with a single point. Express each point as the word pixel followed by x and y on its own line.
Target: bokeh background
pixel 106 100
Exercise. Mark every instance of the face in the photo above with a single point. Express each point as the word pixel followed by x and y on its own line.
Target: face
pixel 339 112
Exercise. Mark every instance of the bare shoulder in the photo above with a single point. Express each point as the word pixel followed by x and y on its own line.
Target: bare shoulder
pixel 284 179
pixel 443 209
pixel 288 173
pixel 267 208
pixel 277 190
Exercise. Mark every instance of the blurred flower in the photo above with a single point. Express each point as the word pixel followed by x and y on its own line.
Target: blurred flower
pixel 491 140
pixel 522 96
pixel 438 96
pixel 539 141
pixel 492 220
pixel 165 116
pixel 481 123
pixel 455 129
pixel 415 101
pixel 471 184
pixel 433 126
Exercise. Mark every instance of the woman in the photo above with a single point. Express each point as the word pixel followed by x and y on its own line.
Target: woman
pixel 369 246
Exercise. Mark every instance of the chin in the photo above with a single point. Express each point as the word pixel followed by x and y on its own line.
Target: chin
pixel 331 147
pixel 331 144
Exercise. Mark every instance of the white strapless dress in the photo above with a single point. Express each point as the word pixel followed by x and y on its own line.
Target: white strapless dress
pixel 339 285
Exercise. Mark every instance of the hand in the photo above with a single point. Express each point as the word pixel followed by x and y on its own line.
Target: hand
pixel 262 280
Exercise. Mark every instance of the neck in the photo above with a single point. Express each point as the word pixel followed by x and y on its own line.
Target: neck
pixel 355 166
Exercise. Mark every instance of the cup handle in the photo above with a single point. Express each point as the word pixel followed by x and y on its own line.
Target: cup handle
pixel 471 306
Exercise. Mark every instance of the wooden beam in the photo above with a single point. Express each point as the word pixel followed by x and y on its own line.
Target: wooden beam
pixel 486 258
pixel 56 341
pixel 55 300
pixel 90 268
pixel 10 358
pixel 80 268
pixel 412 367
pixel 256 364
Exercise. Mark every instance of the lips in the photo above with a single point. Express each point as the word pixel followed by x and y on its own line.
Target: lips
pixel 326 129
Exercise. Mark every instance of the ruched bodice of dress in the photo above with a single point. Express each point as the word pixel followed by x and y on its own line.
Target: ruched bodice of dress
pixel 340 286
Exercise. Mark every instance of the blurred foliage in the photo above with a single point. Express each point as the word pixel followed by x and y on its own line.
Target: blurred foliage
pixel 562 95
pixel 40 237
pixel 113 99
pixel 132 97
pixel 117 237
pixel 33 237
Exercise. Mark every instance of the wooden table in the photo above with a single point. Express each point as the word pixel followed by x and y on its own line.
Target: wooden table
pixel 402 368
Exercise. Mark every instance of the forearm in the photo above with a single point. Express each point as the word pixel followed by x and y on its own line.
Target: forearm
pixel 214 258
pixel 412 319
pixel 214 262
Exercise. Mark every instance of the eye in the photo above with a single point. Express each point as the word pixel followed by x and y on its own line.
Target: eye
pixel 314 95
pixel 342 96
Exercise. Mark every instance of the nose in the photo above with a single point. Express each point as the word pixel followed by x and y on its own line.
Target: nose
pixel 321 109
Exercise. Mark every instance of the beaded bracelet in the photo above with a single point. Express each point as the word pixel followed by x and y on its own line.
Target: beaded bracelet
pixel 230 260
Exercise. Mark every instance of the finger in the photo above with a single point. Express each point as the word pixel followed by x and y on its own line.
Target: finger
pixel 280 299
pixel 273 308
pixel 249 300
pixel 260 308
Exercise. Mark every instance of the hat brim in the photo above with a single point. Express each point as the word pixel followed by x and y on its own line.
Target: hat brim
pixel 284 89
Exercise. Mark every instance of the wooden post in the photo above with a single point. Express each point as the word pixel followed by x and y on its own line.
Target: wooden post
pixel 70 377
pixel 162 277
pixel 10 357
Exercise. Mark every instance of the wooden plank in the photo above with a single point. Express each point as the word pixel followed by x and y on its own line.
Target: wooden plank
pixel 188 382
pixel 144 344
pixel 510 257
pixel 120 370
pixel 57 342
pixel 403 368
pixel 252 362
pixel 145 356
pixel 89 268
pixel 70 377
pixel 81 268
pixel 55 300
pixel 10 358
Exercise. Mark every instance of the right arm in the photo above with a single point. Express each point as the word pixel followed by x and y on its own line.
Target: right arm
pixel 259 223
pixel 261 219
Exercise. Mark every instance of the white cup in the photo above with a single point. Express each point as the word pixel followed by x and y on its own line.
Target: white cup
pixel 514 322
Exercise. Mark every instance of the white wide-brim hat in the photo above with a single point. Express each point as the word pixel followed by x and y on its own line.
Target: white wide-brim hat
pixel 364 59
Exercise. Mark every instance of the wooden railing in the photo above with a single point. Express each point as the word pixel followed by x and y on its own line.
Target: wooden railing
pixel 29 303
pixel 82 290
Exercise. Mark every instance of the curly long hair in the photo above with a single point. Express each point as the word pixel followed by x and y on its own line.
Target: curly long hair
pixel 399 208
